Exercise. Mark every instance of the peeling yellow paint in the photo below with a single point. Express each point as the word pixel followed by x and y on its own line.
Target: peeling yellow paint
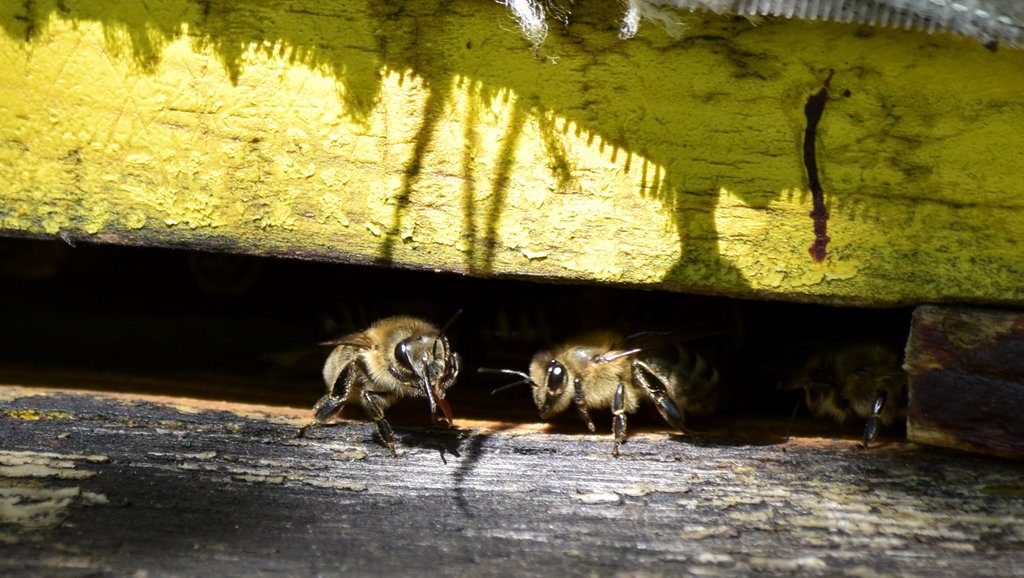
pixel 336 485
pixel 36 507
pixel 597 497
pixel 264 479
pixel 15 464
pixel 655 161
pixel 350 455
pixel 531 254
pixel 184 408
pixel 35 415
pixel 807 564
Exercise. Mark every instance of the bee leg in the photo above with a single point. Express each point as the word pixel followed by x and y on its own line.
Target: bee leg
pixel 619 421
pixel 324 410
pixel 581 405
pixel 374 406
pixel 871 429
pixel 447 379
pixel 329 405
pixel 655 389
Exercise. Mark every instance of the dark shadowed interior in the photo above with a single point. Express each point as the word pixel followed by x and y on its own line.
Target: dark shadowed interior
pixel 247 329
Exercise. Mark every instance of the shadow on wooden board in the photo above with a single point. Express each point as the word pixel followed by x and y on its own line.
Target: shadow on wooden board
pixel 101 485
pixel 680 131
pixel 357 44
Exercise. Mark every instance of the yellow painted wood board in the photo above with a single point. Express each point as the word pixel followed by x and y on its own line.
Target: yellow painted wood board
pixel 427 134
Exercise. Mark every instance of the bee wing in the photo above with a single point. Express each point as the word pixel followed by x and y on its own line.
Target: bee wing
pixel 649 339
pixel 646 340
pixel 357 340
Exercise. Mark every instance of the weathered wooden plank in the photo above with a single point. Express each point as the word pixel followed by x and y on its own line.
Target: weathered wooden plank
pixel 424 134
pixel 966 379
pixel 97 484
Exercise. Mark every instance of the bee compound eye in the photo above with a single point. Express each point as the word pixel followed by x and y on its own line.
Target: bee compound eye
pixel 402 355
pixel 555 377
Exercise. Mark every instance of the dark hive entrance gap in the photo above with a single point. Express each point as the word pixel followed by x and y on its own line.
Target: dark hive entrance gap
pixel 246 329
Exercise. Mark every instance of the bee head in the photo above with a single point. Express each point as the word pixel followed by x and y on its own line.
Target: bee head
pixel 428 364
pixel 550 379
pixel 552 385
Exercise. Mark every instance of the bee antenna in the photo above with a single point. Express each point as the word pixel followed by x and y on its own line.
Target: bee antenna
pixel 525 378
pixel 511 385
pixel 445 328
pixel 450 321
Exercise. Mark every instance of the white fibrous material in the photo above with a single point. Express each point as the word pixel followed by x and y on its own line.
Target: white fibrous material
pixel 992 22
pixel 637 10
pixel 530 15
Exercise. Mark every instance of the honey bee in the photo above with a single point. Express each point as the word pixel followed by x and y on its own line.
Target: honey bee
pixel 865 379
pixel 395 357
pixel 602 369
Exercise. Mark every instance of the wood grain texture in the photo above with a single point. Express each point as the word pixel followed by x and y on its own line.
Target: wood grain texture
pixel 427 134
pixel 130 486
pixel 967 379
